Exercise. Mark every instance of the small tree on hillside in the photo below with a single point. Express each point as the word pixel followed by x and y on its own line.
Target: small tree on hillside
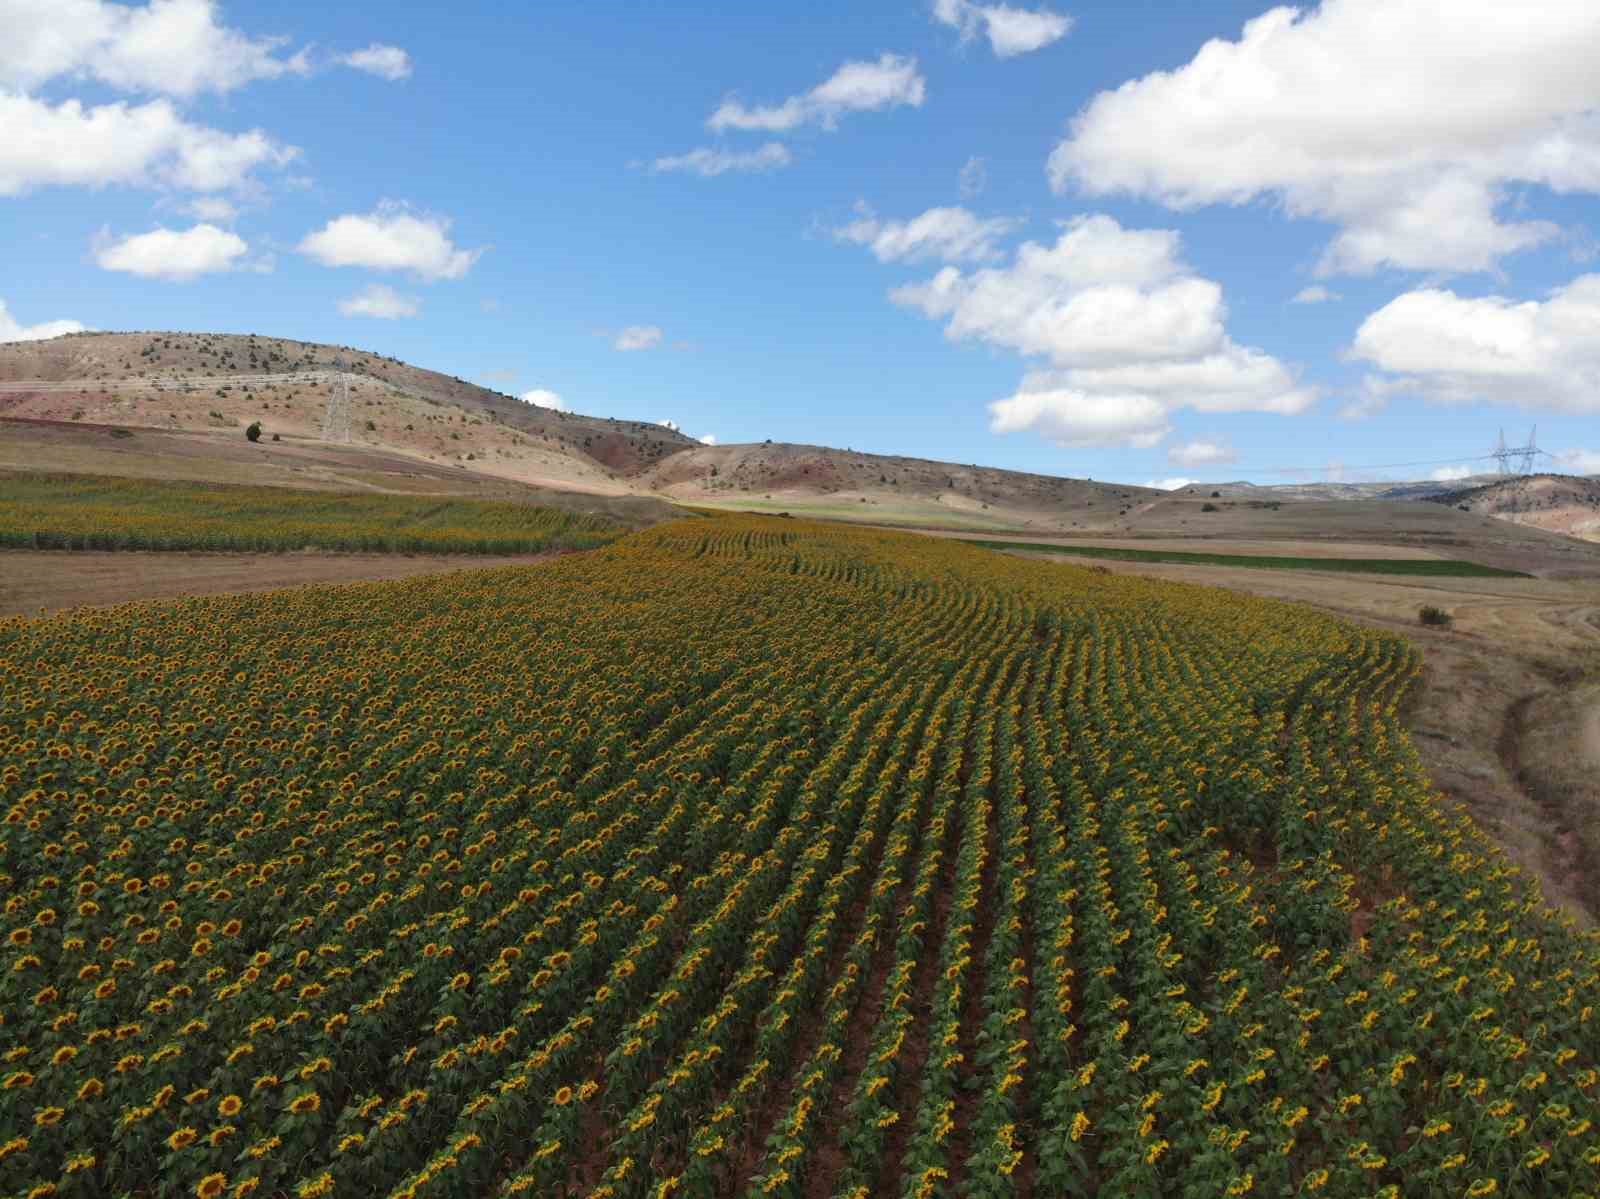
pixel 253 433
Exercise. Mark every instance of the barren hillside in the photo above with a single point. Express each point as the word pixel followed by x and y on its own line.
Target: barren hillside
pixel 184 385
pixel 1568 504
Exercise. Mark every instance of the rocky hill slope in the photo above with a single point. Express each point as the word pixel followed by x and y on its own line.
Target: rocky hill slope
pixel 1567 504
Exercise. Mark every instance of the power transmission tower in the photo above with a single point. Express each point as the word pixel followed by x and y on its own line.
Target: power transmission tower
pixel 1516 459
pixel 336 421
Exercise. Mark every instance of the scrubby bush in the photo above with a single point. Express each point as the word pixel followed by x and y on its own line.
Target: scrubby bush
pixel 1434 617
pixel 253 433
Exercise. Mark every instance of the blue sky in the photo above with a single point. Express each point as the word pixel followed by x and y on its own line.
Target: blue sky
pixel 1067 239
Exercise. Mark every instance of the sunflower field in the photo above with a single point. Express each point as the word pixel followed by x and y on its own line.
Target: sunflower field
pixel 746 857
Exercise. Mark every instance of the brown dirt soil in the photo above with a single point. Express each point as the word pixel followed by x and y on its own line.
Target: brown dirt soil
pixel 32 581
pixel 214 456
pixel 1508 715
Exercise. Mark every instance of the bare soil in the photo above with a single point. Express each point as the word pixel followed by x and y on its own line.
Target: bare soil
pixel 34 581
pixel 225 456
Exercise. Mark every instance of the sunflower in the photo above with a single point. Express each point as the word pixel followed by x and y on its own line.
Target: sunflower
pixel 230 1106
pixel 182 1138
pixel 302 1105
pixel 211 1186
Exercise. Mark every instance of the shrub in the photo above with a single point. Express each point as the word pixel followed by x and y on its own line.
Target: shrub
pixel 1435 617
pixel 253 433
pixel 1209 508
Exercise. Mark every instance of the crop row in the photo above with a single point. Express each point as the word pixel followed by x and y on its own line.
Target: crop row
pixel 746 858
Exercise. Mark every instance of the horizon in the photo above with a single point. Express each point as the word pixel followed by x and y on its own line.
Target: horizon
pixel 954 231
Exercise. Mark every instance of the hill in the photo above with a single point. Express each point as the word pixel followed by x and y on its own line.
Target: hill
pixel 1568 504
pixel 174 405
pixel 218 381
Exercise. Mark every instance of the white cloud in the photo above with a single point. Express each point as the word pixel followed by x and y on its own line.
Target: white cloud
pixel 950 234
pixel 10 330
pixel 974 177
pixel 1204 452
pixel 639 337
pixel 176 47
pixel 1171 484
pixel 1373 397
pixel 855 87
pixel 543 397
pixel 386 62
pixel 710 162
pixel 146 145
pixel 1131 334
pixel 1458 349
pixel 708 439
pixel 1578 462
pixel 1449 474
pixel 1315 294
pixel 391 238
pixel 1401 123
pixel 383 303
pixel 1010 31
pixel 176 255
pixel 211 208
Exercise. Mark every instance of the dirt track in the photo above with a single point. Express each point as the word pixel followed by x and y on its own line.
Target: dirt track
pixel 45 580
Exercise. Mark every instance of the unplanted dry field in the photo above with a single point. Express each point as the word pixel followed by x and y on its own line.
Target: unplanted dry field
pixel 33 581
pixel 752 857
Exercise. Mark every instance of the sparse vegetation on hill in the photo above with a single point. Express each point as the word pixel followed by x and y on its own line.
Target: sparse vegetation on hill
pixel 916 869
pixel 1561 503
pixel 40 511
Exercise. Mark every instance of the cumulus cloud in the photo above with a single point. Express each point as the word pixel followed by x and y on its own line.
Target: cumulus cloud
pixel 380 302
pixel 639 337
pixel 146 145
pixel 709 162
pixel 543 397
pixel 1403 124
pixel 1459 349
pixel 386 62
pixel 1315 294
pixel 1129 332
pixel 708 439
pixel 392 238
pixel 1449 474
pixel 1170 484
pixel 855 87
pixel 12 330
pixel 1203 452
pixel 950 234
pixel 1011 31
pixel 175 47
pixel 176 255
